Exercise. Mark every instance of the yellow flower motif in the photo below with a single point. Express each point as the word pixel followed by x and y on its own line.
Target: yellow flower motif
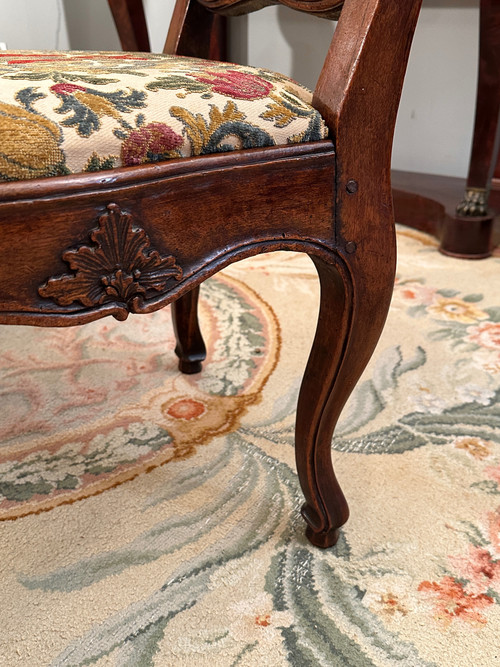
pixel 456 310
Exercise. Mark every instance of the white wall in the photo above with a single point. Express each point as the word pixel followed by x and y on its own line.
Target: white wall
pixel 436 116
pixel 30 24
pixel 434 128
pixel 90 25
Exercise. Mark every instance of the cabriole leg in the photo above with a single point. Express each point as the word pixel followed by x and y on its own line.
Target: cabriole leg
pixel 351 318
pixel 190 347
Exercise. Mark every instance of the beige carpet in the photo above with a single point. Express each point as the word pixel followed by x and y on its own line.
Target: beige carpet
pixel 150 518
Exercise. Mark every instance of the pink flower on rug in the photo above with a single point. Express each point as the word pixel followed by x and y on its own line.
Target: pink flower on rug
pixel 480 568
pixel 150 143
pixel 494 473
pixel 256 620
pixel 232 83
pixel 417 292
pixel 66 88
pixel 186 408
pixel 486 334
pixel 494 527
pixel 425 401
pixel 452 601
pixel 263 620
pixel 391 604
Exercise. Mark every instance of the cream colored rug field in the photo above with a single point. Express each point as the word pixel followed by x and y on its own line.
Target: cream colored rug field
pixel 149 518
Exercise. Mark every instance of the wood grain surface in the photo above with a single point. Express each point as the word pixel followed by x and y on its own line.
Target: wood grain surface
pixel 330 199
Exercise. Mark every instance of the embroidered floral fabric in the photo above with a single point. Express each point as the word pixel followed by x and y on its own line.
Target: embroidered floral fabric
pixel 75 111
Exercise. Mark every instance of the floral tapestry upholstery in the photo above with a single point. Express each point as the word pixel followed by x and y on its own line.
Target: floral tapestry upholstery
pixel 72 112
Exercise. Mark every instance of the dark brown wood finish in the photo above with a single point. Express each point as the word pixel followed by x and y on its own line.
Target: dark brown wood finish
pixel 329 9
pixel 196 32
pixel 469 234
pixel 495 184
pixel 488 97
pixel 332 203
pixel 356 284
pixel 130 24
pixel 427 202
pixel 190 346
pixel 240 186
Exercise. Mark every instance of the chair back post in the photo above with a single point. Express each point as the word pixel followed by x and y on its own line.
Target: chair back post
pixel 358 94
pixel 196 32
pixel 130 22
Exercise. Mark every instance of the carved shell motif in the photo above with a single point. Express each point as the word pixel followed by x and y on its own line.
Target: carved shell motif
pixel 121 267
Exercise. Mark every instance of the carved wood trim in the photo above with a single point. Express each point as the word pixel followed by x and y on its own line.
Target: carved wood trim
pixel 326 8
pixel 120 268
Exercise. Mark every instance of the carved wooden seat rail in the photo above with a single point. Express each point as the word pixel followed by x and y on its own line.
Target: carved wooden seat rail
pixel 77 247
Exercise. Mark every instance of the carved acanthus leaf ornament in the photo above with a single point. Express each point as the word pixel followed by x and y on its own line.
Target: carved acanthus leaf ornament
pixel 120 267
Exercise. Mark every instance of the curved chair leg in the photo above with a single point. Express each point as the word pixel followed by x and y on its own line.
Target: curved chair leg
pixel 351 318
pixel 190 347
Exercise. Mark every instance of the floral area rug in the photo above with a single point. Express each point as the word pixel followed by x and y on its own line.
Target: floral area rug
pixel 149 518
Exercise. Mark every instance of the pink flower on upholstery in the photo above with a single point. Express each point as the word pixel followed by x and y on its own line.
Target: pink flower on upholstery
pixel 452 601
pixel 486 334
pixel 65 88
pixel 150 143
pixel 232 83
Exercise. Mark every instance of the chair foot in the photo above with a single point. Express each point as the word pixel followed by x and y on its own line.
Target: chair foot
pixel 188 367
pixel 190 347
pixel 322 539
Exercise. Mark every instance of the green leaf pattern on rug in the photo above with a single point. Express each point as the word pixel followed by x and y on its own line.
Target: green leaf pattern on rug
pixel 299 582
pixel 332 627
pixel 190 582
pixel 42 473
pixel 239 343
pixel 418 429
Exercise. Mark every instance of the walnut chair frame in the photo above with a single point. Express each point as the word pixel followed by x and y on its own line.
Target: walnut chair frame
pixel 330 199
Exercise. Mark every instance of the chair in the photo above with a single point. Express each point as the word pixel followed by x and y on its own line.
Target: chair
pixel 257 167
